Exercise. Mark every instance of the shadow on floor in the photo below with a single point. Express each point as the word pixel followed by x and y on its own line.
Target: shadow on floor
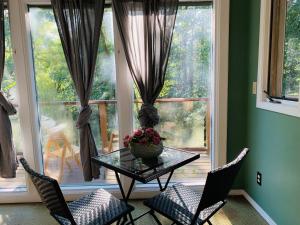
pixel 236 212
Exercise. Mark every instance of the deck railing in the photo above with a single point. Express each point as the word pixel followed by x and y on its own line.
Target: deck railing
pixel 102 111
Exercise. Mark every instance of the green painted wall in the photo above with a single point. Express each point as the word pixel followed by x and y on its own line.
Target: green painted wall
pixel 274 139
pixel 275 142
pixel 238 80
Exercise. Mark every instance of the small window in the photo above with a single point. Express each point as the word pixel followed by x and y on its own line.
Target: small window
pixel 284 50
pixel 279 57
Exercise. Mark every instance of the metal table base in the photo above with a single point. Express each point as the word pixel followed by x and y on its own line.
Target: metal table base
pixel 127 197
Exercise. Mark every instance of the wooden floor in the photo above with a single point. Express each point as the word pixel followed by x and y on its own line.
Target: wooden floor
pixel 193 172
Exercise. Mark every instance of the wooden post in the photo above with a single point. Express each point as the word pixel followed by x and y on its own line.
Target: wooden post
pixel 103 123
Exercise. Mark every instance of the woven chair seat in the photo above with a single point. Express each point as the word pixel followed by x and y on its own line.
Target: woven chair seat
pixel 180 203
pixel 97 208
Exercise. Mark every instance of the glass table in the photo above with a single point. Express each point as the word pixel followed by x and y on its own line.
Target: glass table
pixel 123 162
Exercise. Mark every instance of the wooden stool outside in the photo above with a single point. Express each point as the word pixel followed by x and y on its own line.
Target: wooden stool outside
pixel 58 146
pixel 114 138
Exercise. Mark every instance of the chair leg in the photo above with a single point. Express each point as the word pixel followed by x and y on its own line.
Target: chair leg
pixel 131 219
pixel 119 221
pixel 47 155
pixel 61 169
pixel 209 222
pixel 69 165
pixel 77 160
pixel 124 220
pixel 155 217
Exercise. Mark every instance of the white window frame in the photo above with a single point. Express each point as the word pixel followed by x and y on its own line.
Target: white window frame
pixel 28 111
pixel 285 107
pixel 220 85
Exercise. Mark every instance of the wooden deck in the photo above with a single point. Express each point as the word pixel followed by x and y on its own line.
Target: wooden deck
pixel 193 172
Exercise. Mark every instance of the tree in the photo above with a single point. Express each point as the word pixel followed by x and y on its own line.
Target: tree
pixel 291 73
pixel 9 79
pixel 187 75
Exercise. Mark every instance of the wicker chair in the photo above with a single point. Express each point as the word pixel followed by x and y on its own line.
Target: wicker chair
pixel 185 206
pixel 97 208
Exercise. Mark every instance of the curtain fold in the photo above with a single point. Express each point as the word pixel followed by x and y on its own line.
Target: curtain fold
pixel 79 24
pixel 146 30
pixel 8 163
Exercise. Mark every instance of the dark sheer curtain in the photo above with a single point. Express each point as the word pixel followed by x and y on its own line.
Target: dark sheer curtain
pixel 146 30
pixel 8 163
pixel 79 24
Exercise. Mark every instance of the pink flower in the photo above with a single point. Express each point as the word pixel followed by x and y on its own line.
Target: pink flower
pixel 126 140
pixel 149 131
pixel 143 141
pixel 138 133
pixel 156 134
pixel 126 144
pixel 156 140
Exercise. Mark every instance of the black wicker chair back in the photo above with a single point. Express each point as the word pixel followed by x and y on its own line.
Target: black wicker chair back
pixel 220 181
pixel 50 193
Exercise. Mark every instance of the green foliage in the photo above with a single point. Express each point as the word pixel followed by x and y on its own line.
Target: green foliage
pixel 291 73
pixel 189 64
pixel 9 79
pixel 188 72
pixel 53 80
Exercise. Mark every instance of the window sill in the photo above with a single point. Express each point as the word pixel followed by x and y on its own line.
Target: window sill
pixel 286 107
pixel 14 190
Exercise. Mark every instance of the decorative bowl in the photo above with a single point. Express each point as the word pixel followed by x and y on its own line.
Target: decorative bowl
pixel 145 151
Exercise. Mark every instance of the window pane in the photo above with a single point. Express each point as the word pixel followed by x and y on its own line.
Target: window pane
pixel 58 102
pixel 291 70
pixel 183 104
pixel 9 88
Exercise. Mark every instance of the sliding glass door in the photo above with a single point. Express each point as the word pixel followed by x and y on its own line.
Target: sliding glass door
pixel 185 105
pixel 9 87
pixel 58 103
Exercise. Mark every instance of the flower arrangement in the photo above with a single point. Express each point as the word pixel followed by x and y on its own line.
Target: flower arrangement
pixel 144 136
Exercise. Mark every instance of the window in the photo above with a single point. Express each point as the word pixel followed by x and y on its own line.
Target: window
pixel 49 106
pixel 10 89
pixel 184 102
pixel 284 70
pixel 59 104
pixel 279 61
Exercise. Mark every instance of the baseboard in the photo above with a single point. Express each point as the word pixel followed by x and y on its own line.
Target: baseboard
pixel 267 218
pixel 236 192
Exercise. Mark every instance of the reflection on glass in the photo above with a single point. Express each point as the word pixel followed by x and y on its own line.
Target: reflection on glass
pixel 183 104
pixel 9 88
pixel 58 102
